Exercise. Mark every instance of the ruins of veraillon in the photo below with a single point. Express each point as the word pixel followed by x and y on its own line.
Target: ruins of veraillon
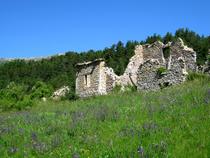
pixel 147 70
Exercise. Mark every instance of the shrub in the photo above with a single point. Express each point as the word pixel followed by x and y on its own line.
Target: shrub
pixel 71 95
pixel 6 104
pixel 14 96
pixel 14 91
pixel 24 103
pixel 161 71
pixel 117 89
pixel 40 90
pixel 130 88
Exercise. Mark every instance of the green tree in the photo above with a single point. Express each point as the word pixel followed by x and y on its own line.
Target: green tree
pixel 168 38
pixel 153 38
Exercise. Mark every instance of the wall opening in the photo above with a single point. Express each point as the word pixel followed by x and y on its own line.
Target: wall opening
pixel 87 80
pixel 166 52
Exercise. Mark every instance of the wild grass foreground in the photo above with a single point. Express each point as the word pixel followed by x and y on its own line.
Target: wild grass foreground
pixel 174 122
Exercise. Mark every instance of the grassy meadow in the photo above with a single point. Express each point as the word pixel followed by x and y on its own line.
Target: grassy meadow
pixel 173 122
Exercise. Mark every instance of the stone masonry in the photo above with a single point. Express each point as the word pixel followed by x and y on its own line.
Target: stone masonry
pixel 181 60
pixel 92 79
pixel 143 70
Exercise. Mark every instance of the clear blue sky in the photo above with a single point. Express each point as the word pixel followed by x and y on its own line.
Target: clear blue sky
pixel 33 28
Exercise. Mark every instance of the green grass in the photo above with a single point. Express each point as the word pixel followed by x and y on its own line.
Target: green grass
pixel 173 122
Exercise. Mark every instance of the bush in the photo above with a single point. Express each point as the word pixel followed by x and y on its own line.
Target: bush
pixel 40 90
pixel 14 96
pixel 117 89
pixel 14 91
pixel 161 71
pixel 6 104
pixel 130 88
pixel 70 96
pixel 120 89
pixel 24 103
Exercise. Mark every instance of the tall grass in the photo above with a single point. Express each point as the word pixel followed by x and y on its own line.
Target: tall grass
pixel 173 122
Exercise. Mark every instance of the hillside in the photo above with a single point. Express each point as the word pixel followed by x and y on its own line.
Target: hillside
pixel 173 122
pixel 24 81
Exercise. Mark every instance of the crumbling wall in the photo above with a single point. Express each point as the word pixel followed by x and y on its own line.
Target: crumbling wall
pixel 142 69
pixel 176 75
pixel 102 79
pixel 154 51
pixel 150 78
pixel 129 77
pixel 181 60
pixel 109 83
pixel 147 75
pixel 142 53
pixel 61 92
pixel 94 71
pixel 189 55
pixel 148 58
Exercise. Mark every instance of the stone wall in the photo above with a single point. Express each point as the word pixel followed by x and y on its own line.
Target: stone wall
pixel 178 49
pixel 154 51
pixel 181 60
pixel 144 53
pixel 109 83
pixel 102 79
pixel 130 75
pixel 176 75
pixel 95 71
pixel 147 75
pixel 150 78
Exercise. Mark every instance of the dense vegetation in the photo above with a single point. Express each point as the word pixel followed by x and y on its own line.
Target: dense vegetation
pixel 20 79
pixel 173 122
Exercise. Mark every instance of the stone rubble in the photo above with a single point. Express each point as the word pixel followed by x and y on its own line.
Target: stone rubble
pixel 60 92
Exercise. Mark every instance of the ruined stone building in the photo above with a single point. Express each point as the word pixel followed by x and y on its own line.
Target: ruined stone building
pixel 148 69
pixel 92 79
pixel 176 67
